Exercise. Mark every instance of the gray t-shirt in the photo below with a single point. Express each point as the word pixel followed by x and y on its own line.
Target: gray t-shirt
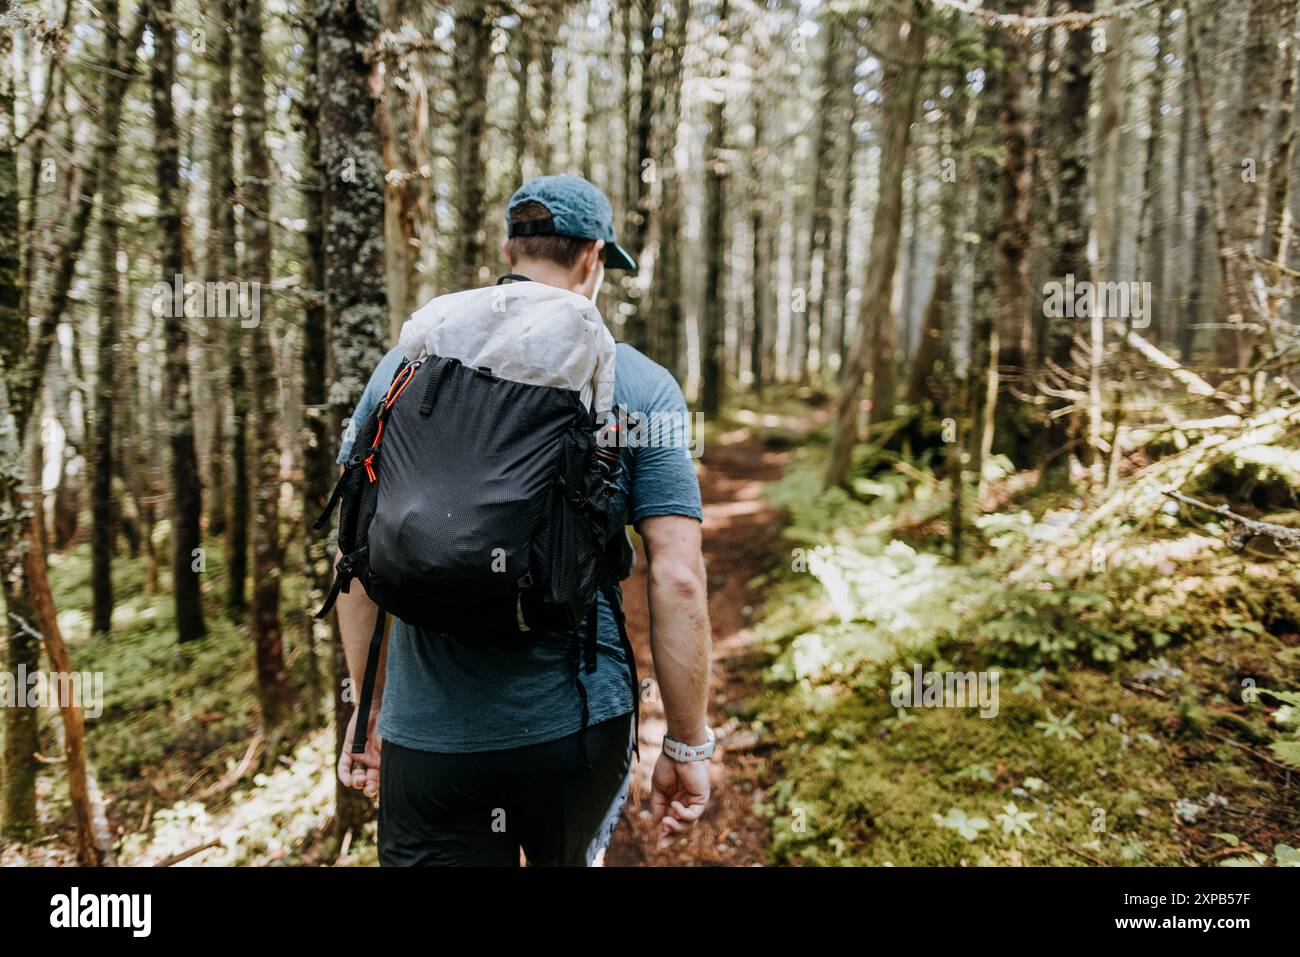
pixel 453 695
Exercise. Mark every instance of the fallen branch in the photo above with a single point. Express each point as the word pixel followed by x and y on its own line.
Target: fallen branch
pixel 1180 373
pixel 1242 529
pixel 236 774
pixel 1249 750
pixel 186 855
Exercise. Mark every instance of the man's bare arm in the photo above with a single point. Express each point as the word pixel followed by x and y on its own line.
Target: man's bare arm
pixel 679 622
pixel 357 615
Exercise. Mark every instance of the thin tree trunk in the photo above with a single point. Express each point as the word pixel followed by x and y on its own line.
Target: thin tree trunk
pixel 713 360
pixel 1243 195
pixel 899 86
pixel 760 267
pixel 935 323
pixel 1151 251
pixel 317 438
pixel 471 63
pixel 636 325
pixel 264 427
pixel 102 507
pixel 183 461
pixel 835 66
pixel 839 282
pixel 1277 225
pixel 353 259
pixel 670 317
pixel 1068 140
pixel 404 210
pixel 222 264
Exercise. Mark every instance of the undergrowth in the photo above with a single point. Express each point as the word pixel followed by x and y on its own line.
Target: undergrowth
pixel 1129 726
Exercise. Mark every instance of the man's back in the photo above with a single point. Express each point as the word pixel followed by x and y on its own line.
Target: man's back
pixel 455 696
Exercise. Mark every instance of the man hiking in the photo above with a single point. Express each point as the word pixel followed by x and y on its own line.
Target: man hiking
pixel 477 749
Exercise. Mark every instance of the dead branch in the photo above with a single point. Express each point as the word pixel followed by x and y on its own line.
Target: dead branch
pixel 187 854
pixel 1180 373
pixel 1241 528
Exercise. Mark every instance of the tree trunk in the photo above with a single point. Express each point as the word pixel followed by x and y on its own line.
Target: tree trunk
pixel 18 820
pixel 264 427
pixel 903 39
pixel 636 326
pixel 836 74
pixel 760 267
pixel 1277 226
pixel 1150 258
pixel 102 438
pixel 922 384
pixel 1067 138
pixel 713 359
pixel 353 258
pixel 405 120
pixel 317 436
pixel 221 262
pixel 183 460
pixel 669 315
pixel 1243 194
pixel 838 290
pixel 471 64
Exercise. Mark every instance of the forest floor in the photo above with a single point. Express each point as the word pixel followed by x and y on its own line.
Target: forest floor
pixel 1130 724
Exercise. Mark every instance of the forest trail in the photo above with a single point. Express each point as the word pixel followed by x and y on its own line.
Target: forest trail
pixel 741 533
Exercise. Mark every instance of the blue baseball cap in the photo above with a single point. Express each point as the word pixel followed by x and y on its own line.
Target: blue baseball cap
pixel 578 209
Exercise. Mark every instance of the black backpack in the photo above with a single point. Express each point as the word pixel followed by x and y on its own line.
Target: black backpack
pixel 478 508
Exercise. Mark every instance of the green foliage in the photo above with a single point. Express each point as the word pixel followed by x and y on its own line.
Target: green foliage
pixel 178 717
pixel 1113 671
pixel 1288 716
pixel 1098 621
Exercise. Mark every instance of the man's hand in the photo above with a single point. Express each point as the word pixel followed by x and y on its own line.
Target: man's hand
pixel 361 770
pixel 679 795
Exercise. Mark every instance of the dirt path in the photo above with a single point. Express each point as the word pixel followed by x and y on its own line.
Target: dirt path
pixel 741 536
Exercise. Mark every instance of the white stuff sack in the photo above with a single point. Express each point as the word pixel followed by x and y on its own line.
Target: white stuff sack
pixel 523 331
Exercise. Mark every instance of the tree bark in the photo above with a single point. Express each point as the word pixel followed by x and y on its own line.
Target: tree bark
pixel 317 439
pixel 353 258
pixel 1068 139
pixel 836 74
pixel 713 360
pixel 903 39
pixel 264 426
pixel 183 460
pixel 102 507
pixel 471 63
pixel 669 316
pixel 1243 192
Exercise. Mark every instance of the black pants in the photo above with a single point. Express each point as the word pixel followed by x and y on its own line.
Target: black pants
pixel 478 809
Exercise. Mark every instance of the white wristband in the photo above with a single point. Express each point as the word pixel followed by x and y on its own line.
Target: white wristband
pixel 689 753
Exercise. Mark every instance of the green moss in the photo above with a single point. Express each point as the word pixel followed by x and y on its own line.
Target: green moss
pixel 1123 734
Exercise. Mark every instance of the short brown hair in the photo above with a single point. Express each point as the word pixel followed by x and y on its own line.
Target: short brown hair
pixel 562 250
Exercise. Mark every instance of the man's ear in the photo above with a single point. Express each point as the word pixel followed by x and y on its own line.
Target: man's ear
pixel 591 257
pixel 505 252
